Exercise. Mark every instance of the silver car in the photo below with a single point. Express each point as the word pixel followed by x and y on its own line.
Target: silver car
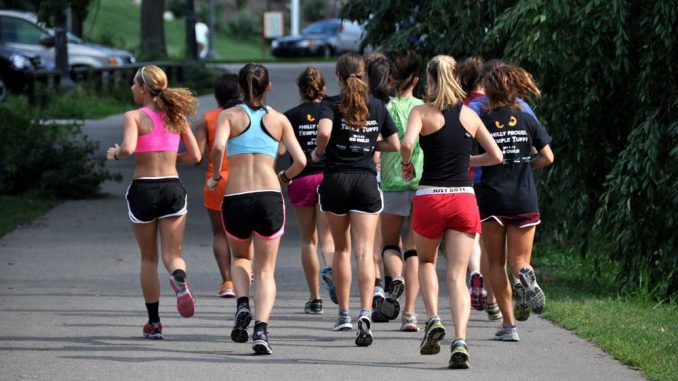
pixel 22 31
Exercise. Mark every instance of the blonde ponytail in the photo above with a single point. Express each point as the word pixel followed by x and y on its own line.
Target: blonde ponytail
pixel 445 90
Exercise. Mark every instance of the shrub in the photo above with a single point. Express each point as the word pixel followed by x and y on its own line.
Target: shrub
pixel 315 10
pixel 46 160
pixel 244 25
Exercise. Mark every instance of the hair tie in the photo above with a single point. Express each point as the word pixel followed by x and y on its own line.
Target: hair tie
pixel 352 75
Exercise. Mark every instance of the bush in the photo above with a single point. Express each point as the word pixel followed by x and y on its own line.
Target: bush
pixel 315 10
pixel 244 25
pixel 46 160
pixel 177 7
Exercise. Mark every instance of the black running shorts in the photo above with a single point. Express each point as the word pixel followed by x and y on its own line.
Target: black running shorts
pixel 344 192
pixel 150 198
pixel 258 212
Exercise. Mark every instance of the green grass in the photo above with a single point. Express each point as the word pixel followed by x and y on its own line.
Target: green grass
pixel 118 23
pixel 632 328
pixel 18 210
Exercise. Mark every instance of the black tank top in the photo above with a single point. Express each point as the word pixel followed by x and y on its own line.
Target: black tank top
pixel 447 152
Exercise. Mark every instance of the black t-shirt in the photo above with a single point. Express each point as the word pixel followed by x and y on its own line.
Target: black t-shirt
pixel 351 148
pixel 304 119
pixel 509 188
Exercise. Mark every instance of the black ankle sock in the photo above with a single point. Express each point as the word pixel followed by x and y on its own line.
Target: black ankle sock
pixel 387 282
pixel 152 309
pixel 179 275
pixel 244 300
pixel 378 283
pixel 260 326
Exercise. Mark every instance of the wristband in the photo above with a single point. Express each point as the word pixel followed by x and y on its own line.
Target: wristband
pixel 115 156
pixel 285 180
pixel 217 180
pixel 406 164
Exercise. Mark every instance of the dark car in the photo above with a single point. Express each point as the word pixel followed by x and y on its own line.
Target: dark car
pixel 17 68
pixel 323 38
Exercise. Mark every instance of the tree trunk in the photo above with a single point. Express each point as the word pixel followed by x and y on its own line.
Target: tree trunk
pixel 152 41
pixel 191 46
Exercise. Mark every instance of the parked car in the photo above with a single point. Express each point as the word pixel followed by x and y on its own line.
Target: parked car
pixel 16 68
pixel 323 38
pixel 22 31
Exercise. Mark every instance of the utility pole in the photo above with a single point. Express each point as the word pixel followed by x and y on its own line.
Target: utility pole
pixel 191 45
pixel 211 53
pixel 61 50
pixel 294 17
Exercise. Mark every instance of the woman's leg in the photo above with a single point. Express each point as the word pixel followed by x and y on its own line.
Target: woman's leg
pixel 363 227
pixel 459 246
pixel 324 237
pixel 172 240
pixel 427 250
pixel 391 225
pixel 222 253
pixel 241 266
pixel 341 263
pixel 411 273
pixel 519 247
pixel 377 247
pixel 494 243
pixel 309 239
pixel 265 254
pixel 147 237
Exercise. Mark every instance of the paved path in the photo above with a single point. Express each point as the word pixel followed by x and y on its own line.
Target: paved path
pixel 71 308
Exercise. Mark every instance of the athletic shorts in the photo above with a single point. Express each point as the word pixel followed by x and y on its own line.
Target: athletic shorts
pixel 398 203
pixel 213 199
pixel 435 210
pixel 150 198
pixel 341 193
pixel 522 220
pixel 304 190
pixel 258 212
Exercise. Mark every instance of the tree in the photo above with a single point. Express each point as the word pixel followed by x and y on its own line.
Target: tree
pixel 152 39
pixel 79 9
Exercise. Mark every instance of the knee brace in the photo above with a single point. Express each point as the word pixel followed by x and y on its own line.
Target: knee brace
pixel 409 254
pixel 393 248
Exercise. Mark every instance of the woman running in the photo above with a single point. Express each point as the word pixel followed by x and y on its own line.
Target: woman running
pixel 253 209
pixel 445 205
pixel 303 192
pixel 507 194
pixel 398 195
pixel 347 133
pixel 227 94
pixel 156 199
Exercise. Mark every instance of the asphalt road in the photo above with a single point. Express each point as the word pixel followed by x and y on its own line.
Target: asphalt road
pixel 71 307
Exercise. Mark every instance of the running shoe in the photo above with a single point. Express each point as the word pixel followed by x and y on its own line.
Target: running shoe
pixel 378 298
pixel 409 322
pixel 343 323
pixel 521 310
pixel 329 281
pixel 493 311
pixel 185 301
pixel 364 336
pixel 153 331
pixel 260 344
pixel 459 358
pixel 242 320
pixel 314 307
pixel 434 332
pixel 226 290
pixel 478 293
pixel 509 333
pixel 378 317
pixel 534 296
pixel 390 307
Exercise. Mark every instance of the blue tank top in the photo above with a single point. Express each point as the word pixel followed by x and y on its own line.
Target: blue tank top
pixel 255 138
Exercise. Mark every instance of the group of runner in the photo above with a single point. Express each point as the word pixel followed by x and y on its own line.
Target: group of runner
pixel 455 164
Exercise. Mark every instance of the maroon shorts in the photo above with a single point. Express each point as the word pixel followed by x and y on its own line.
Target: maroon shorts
pixel 523 220
pixel 436 210
pixel 304 190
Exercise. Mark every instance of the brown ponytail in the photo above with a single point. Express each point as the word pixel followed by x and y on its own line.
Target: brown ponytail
pixel 353 103
pixel 253 79
pixel 176 103
pixel 311 84
pixel 469 73
pixel 504 84
pixel 404 70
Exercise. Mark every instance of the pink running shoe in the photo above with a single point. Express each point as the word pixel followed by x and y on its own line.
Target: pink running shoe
pixel 478 293
pixel 185 301
pixel 153 331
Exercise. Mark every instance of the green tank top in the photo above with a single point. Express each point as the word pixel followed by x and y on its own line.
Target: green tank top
pixel 391 178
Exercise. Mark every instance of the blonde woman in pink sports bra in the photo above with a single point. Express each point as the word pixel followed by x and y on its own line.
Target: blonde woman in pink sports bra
pixel 156 199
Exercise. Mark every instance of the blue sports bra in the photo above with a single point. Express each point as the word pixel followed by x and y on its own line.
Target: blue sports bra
pixel 255 138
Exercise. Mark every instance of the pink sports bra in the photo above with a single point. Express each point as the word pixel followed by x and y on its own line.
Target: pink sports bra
pixel 159 139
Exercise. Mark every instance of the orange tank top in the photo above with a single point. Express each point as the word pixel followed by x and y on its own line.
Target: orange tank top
pixel 211 120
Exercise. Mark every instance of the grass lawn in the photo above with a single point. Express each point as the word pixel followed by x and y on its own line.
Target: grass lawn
pixel 18 210
pixel 117 22
pixel 634 329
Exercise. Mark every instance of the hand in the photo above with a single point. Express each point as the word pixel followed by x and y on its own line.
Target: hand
pixel 315 157
pixel 212 184
pixel 113 152
pixel 408 172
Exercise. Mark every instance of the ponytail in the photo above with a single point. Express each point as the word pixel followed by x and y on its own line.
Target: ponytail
pixel 254 80
pixel 504 84
pixel 311 84
pixel 353 103
pixel 176 103
pixel 444 91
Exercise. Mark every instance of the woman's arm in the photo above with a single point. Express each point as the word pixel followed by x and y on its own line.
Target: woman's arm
pixel 201 138
pixel 414 124
pixel 219 147
pixel 390 144
pixel 192 154
pixel 544 158
pixel 322 139
pixel 474 126
pixel 289 139
pixel 129 140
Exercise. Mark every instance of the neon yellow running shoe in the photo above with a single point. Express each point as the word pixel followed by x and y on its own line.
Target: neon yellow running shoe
pixel 459 358
pixel 432 335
